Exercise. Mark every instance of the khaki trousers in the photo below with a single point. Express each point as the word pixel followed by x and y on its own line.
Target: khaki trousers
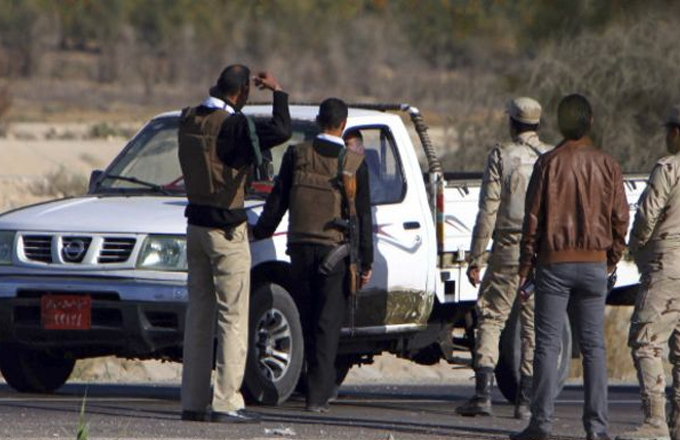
pixel 497 294
pixel 655 323
pixel 219 291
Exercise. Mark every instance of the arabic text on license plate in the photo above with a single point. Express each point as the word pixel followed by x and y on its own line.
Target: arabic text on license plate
pixel 66 312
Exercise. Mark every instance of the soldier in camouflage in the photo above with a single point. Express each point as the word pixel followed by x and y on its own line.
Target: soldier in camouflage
pixel 500 216
pixel 655 246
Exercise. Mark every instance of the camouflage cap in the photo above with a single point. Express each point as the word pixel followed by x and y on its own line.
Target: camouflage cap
pixel 525 110
pixel 673 116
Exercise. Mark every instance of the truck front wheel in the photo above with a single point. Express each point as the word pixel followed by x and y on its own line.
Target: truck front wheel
pixel 510 347
pixel 275 346
pixel 33 371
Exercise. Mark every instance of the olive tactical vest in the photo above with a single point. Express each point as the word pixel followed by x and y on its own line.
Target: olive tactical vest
pixel 316 197
pixel 208 180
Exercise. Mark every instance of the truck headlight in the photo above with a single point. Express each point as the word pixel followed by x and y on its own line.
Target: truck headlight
pixel 162 252
pixel 6 246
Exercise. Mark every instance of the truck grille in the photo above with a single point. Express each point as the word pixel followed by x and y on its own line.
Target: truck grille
pixel 38 247
pixel 116 250
pixel 94 249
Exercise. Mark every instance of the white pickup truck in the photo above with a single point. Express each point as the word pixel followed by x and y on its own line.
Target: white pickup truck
pixel 105 273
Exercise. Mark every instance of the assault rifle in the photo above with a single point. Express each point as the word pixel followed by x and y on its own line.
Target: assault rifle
pixel 350 227
pixel 349 249
pixel 349 185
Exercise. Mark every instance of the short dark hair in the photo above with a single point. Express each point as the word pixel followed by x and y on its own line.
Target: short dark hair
pixel 332 113
pixel 574 116
pixel 521 127
pixel 232 79
pixel 353 133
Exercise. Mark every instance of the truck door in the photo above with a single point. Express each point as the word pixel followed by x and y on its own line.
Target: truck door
pixel 396 294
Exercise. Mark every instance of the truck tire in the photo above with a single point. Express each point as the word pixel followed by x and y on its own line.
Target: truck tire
pixel 275 346
pixel 507 370
pixel 430 355
pixel 32 371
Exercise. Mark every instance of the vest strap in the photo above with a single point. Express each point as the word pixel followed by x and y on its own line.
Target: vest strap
pixel 341 160
pixel 254 140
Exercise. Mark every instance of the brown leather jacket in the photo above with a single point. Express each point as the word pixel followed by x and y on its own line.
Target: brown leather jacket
pixel 576 208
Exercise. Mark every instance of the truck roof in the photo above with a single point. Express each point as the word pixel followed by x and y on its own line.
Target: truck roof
pixel 297 111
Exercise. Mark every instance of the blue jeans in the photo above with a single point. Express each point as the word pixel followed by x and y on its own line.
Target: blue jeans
pixel 585 285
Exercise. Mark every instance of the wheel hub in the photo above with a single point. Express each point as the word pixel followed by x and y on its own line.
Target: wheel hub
pixel 274 345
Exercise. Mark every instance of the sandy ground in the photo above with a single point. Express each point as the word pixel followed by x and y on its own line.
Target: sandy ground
pixel 33 153
pixel 385 369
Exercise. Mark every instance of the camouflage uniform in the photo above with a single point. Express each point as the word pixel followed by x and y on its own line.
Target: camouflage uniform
pixel 501 211
pixel 655 246
pixel 500 216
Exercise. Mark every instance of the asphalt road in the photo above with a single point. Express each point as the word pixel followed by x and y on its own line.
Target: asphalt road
pixel 382 412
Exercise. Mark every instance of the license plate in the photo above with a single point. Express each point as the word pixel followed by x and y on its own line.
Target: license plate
pixel 66 312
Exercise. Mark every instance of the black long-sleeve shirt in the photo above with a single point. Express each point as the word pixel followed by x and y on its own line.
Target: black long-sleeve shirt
pixel 278 203
pixel 235 149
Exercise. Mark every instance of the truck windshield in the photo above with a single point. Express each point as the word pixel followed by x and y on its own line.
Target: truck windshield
pixel 150 164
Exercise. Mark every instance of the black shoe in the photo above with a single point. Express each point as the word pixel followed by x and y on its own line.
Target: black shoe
pixel 598 436
pixel 318 408
pixel 530 434
pixel 194 416
pixel 238 416
pixel 334 394
pixel 522 411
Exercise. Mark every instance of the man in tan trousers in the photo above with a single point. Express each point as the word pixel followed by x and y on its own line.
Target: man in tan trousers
pixel 500 216
pixel 218 145
pixel 655 246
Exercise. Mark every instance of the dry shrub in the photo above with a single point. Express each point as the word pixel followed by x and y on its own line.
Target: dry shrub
pixel 619 362
pixel 629 73
pixel 91 160
pixel 5 100
pixel 60 183
pixel 115 370
pixel 620 366
pixel 105 130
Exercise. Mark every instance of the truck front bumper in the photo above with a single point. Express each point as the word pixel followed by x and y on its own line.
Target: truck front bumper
pixel 129 318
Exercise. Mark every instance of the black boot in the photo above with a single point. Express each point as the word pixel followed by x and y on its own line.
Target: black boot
pixel 480 404
pixel 530 433
pixel 523 401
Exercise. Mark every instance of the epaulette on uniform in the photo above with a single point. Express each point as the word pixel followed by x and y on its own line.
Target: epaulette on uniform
pixel 669 160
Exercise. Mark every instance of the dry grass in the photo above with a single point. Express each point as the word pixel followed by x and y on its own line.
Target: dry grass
pixel 60 183
pixel 628 72
pixel 113 370
pixel 5 100
pixel 630 75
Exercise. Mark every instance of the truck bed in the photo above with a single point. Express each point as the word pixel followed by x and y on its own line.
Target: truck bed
pixel 461 194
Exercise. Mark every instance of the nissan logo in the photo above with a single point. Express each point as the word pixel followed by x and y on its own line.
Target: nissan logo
pixel 73 251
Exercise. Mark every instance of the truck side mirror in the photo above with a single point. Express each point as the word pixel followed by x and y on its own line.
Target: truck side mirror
pixel 94 179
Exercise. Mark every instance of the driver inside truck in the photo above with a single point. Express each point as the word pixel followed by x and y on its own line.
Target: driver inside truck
pixel 354 141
